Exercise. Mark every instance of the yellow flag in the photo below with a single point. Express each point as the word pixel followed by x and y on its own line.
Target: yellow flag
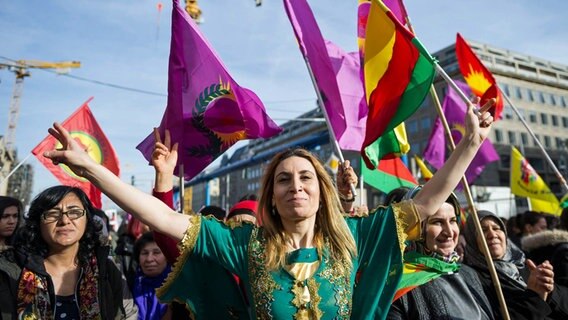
pixel 426 173
pixel 332 163
pixel 525 182
pixel 546 206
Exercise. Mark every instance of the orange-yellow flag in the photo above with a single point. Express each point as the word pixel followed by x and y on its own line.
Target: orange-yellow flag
pixel 479 79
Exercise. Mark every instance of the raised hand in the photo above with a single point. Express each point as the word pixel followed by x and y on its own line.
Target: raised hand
pixel 541 278
pixel 345 178
pixel 164 156
pixel 478 121
pixel 71 153
pixel 164 160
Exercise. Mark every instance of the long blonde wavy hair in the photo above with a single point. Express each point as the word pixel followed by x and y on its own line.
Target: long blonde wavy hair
pixel 330 226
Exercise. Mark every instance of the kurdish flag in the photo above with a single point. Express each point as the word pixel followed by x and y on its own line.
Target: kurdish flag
pixel 84 128
pixel 525 182
pixel 398 72
pixel 479 79
pixel 419 269
pixel 390 174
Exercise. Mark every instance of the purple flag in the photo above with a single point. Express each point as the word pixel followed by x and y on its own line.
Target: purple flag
pixel 336 74
pixel 207 110
pixel 455 110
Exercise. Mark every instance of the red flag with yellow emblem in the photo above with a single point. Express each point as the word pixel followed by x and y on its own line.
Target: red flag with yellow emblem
pixel 83 127
pixel 479 79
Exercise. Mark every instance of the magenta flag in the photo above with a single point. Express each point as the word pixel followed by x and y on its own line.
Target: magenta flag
pixel 336 74
pixel 455 110
pixel 207 111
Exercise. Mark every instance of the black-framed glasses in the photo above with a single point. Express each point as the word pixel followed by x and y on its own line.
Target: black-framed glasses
pixel 55 215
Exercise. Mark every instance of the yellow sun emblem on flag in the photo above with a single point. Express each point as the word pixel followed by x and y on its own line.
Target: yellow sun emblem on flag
pixel 477 81
pixel 90 144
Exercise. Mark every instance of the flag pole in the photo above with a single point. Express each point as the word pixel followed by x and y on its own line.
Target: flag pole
pixel 181 188
pixel 333 141
pixel 467 190
pixel 16 168
pixel 554 168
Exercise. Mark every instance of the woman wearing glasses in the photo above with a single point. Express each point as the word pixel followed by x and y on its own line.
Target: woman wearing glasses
pixel 66 270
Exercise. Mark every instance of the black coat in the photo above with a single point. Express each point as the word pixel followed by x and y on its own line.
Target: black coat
pixel 552 245
pixel 455 296
pixel 9 275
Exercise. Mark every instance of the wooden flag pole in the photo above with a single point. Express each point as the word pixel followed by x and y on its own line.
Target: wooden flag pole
pixel 467 190
pixel 546 156
pixel 333 141
pixel 484 248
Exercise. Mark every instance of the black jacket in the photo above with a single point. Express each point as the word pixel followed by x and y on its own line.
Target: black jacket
pixel 9 275
pixel 552 245
pixel 115 299
pixel 455 296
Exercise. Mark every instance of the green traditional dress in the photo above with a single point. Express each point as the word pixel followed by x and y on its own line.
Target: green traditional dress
pixel 312 286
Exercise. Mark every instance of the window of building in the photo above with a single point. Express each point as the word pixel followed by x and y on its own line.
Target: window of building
pixel 498 136
pixel 524 138
pixel 541 97
pixel 512 137
pixel 554 119
pixel 552 100
pixel 508 112
pixel 562 102
pixel 544 118
pixel 530 95
pixel 532 116
pixel 547 142
pixel 518 93
pixel 565 122
pixel 425 124
pixel 505 88
pixel 559 143
pixel 412 126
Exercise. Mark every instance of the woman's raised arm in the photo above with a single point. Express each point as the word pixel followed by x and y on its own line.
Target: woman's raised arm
pixel 437 190
pixel 143 206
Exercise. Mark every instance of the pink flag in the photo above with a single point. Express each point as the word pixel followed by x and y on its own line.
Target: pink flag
pixel 336 74
pixel 455 110
pixel 207 110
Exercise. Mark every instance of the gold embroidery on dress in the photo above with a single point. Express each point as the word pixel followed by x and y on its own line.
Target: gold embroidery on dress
pixel 306 297
pixel 338 273
pixel 185 247
pixel 261 282
pixel 407 222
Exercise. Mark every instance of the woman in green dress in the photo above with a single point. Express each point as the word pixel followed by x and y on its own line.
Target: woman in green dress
pixel 302 262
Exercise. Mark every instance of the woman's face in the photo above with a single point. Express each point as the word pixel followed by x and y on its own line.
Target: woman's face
pixel 65 231
pixel 152 260
pixel 296 189
pixel 442 230
pixel 9 221
pixel 495 237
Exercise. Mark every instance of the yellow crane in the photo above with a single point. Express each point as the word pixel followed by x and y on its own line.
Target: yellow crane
pixel 20 69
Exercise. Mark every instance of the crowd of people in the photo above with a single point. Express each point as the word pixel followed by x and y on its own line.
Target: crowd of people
pixel 299 249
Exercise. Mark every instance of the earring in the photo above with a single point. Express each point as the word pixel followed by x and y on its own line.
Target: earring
pixel 274 212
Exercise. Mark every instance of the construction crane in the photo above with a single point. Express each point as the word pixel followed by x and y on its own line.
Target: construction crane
pixel 20 68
